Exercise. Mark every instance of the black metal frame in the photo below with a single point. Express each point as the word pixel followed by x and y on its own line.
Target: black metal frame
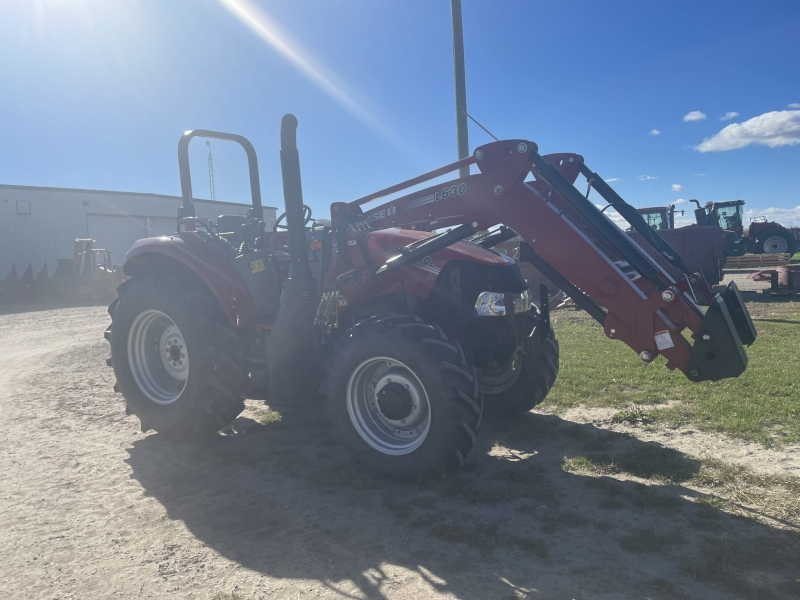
pixel 635 220
pixel 187 205
pixel 626 248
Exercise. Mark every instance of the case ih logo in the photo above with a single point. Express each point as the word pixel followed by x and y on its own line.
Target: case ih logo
pixel 382 214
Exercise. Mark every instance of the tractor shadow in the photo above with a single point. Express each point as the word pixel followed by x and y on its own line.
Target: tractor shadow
pixel 522 519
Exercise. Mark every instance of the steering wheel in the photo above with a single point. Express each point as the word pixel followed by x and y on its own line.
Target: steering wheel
pixel 278 222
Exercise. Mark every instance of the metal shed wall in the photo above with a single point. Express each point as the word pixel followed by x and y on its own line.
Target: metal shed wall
pixel 39 225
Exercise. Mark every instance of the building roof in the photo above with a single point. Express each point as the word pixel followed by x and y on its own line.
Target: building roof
pixel 6 186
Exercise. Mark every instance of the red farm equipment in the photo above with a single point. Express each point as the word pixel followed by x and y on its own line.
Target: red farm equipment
pixel 404 331
pixel 702 247
pixel 761 237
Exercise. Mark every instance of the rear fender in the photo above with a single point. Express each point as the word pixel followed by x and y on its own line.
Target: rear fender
pixel 189 251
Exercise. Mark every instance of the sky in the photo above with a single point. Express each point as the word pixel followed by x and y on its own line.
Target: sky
pixel 667 101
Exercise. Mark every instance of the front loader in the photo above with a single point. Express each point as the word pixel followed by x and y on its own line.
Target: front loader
pixel 408 334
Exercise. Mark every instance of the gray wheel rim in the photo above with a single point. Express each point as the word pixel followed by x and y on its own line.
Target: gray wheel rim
pixel 776 245
pixel 157 356
pixel 387 435
pixel 497 382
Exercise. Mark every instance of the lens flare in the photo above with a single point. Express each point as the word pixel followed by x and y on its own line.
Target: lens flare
pixel 265 27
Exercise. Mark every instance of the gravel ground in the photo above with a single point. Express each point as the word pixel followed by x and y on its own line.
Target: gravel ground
pixel 92 508
pixel 741 277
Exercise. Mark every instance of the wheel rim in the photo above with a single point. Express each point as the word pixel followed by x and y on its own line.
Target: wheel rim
pixel 388 406
pixel 776 245
pixel 157 356
pixel 498 381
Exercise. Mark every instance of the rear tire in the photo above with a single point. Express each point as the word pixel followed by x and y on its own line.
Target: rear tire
pixel 177 360
pixel 425 431
pixel 518 393
pixel 775 242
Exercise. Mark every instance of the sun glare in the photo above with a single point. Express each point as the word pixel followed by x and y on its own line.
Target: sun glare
pixel 265 27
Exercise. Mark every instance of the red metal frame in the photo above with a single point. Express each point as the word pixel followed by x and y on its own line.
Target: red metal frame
pixel 637 309
pixel 191 251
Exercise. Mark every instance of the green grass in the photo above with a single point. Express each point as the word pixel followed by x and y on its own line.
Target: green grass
pixel 266 416
pixel 648 462
pixel 634 416
pixel 763 404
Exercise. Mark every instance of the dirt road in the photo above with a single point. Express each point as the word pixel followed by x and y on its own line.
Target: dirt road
pixel 92 508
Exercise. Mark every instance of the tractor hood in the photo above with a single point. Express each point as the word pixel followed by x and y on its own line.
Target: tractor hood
pixel 387 243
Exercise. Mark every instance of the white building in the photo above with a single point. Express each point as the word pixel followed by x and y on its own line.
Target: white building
pixel 39 225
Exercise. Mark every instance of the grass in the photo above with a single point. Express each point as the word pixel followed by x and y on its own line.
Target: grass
pixel 266 416
pixel 736 489
pixel 634 416
pixel 760 568
pixel 745 492
pixel 648 461
pixel 762 405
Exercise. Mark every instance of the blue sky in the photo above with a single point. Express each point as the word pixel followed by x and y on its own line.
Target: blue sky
pixel 95 93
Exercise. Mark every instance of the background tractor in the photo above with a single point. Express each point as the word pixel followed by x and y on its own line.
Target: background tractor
pixel 703 248
pixel 761 237
pixel 405 332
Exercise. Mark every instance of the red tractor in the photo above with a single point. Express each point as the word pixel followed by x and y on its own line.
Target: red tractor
pixel 704 248
pixel 405 332
pixel 762 237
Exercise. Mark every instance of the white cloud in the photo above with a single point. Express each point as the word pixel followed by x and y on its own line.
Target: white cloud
pixel 773 129
pixel 646 177
pixel 695 115
pixel 677 187
pixel 794 105
pixel 612 179
pixel 679 201
pixel 617 218
pixel 655 132
pixel 728 116
pixel 698 174
pixel 789 217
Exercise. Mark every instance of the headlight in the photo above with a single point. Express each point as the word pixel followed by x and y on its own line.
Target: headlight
pixel 492 304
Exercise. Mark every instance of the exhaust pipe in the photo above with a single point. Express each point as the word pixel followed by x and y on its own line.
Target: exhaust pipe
pixel 290 348
pixel 293 199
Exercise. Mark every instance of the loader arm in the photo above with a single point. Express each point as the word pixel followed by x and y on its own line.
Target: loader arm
pixel 635 300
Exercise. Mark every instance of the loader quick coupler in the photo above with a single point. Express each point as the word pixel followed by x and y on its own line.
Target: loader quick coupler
pixel 717 352
pixel 739 314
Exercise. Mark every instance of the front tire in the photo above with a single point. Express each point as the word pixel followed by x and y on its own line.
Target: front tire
pixel 525 382
pixel 177 360
pixel 403 397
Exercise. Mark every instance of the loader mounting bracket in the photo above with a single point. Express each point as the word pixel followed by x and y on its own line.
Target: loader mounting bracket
pixel 717 352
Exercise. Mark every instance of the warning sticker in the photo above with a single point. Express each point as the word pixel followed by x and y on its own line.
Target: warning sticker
pixel 257 266
pixel 664 340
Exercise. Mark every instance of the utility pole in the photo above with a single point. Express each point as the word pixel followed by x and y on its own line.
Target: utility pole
pixel 461 86
pixel 211 172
